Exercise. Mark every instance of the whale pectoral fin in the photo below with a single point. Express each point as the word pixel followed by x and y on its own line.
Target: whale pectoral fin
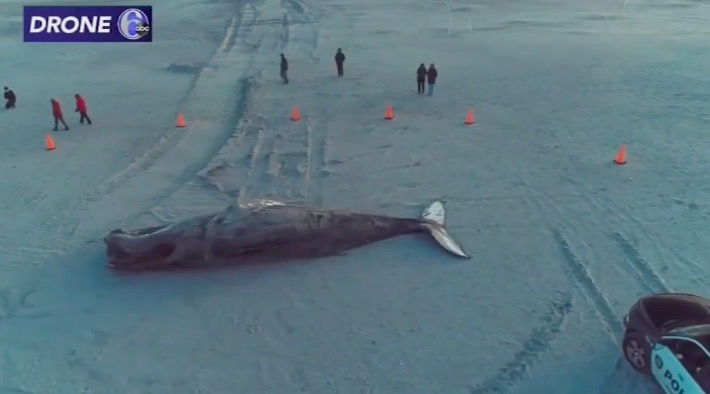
pixel 259 204
pixel 294 202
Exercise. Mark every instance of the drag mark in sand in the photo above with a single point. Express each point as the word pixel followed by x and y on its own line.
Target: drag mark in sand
pixel 230 175
pixel 230 35
pixel 256 176
pixel 315 164
pixel 192 168
pixel 167 141
pixel 287 158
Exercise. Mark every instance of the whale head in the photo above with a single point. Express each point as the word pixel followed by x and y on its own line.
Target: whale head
pixel 139 249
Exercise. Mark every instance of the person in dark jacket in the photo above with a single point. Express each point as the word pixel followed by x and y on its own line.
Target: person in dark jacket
pixel 284 68
pixel 58 115
pixel 421 78
pixel 431 78
pixel 339 60
pixel 81 109
pixel 10 98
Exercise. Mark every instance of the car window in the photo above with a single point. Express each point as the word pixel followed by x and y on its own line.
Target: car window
pixel 670 372
pixel 693 357
pixel 704 340
pixel 669 313
pixel 702 375
pixel 699 332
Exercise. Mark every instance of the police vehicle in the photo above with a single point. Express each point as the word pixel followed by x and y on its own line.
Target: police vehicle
pixel 668 337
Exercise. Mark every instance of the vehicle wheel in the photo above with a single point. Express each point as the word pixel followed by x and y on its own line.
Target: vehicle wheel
pixel 637 352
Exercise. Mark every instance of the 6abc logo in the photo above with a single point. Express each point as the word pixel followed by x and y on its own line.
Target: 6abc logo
pixel 133 24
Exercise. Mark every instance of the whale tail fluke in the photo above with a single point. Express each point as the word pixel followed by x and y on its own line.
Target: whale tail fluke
pixel 434 218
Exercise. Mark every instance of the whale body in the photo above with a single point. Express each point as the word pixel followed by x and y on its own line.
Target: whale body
pixel 266 229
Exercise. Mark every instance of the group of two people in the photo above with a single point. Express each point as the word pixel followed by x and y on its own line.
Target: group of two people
pixel 80 108
pixel 339 60
pixel 426 75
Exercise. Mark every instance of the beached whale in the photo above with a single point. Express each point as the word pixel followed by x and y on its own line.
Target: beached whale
pixel 266 229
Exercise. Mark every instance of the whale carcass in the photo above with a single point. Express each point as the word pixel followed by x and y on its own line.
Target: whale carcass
pixel 266 229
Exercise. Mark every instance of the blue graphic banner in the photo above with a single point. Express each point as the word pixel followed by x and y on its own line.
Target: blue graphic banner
pixel 88 24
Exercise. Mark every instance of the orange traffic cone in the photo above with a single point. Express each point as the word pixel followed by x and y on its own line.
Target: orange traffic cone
pixel 621 156
pixel 469 117
pixel 389 113
pixel 49 142
pixel 180 120
pixel 295 114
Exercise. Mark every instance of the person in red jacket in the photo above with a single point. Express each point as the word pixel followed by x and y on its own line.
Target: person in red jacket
pixel 81 109
pixel 58 115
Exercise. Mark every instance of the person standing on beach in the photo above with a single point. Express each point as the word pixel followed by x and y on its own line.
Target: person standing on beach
pixel 339 60
pixel 431 78
pixel 421 78
pixel 58 115
pixel 10 98
pixel 284 68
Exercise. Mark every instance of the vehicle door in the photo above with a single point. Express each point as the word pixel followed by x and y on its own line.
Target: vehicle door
pixel 673 365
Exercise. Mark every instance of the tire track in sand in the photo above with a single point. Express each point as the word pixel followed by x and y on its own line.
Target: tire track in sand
pixel 538 342
pixel 167 140
pixel 145 161
pixel 264 158
pixel 542 337
pixel 646 274
pixel 621 219
pixel 256 142
pixel 637 266
pixel 288 160
pixel 574 266
pixel 634 263
pixel 578 271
